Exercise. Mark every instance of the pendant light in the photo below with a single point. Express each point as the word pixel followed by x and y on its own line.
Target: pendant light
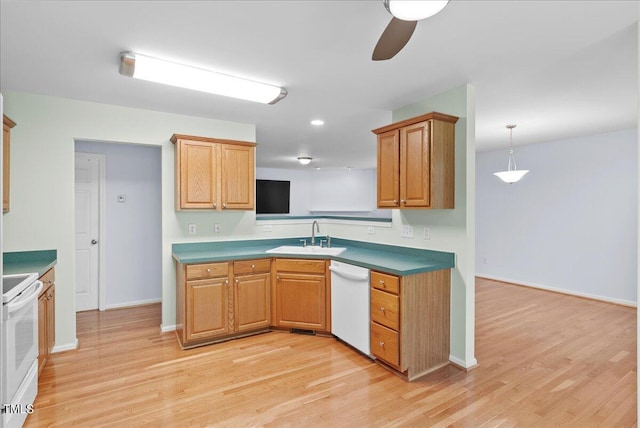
pixel 512 174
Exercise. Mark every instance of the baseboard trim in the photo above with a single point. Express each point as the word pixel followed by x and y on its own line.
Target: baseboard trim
pixel 132 304
pixel 463 365
pixel 167 328
pixel 605 299
pixel 66 347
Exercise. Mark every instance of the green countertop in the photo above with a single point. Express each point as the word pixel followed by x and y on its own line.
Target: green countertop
pixel 386 258
pixel 28 261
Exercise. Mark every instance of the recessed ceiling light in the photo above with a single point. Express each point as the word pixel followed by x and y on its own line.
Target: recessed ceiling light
pixel 317 122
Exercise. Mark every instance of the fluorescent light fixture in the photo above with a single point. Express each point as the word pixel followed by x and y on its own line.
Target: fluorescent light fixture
pixel 144 67
pixel 409 10
pixel 304 160
pixel 512 174
pixel 317 122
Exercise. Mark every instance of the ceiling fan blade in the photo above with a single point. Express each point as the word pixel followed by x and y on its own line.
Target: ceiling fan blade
pixel 393 39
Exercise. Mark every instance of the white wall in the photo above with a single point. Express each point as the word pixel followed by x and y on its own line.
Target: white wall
pixel 450 230
pixel 570 224
pixel 331 191
pixel 133 244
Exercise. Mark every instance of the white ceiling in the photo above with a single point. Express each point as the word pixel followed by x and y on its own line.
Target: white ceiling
pixel 557 69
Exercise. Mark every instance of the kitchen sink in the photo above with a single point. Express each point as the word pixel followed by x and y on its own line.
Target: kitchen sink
pixel 320 251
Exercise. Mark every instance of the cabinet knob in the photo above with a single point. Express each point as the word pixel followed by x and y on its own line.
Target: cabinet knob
pixel 226 281
pixel 382 344
pixel 277 278
pixel 382 284
pixel 403 201
pixel 382 309
pixel 253 267
pixel 237 281
pixel 209 270
pixel 215 205
pixel 395 201
pixel 224 206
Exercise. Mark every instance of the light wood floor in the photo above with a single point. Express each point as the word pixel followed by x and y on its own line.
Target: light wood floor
pixel 545 360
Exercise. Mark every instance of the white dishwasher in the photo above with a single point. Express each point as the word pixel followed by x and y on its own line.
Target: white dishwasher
pixel 350 305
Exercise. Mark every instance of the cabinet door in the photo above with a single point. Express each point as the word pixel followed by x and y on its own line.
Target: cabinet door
pixel 207 308
pixel 237 164
pixel 388 170
pixel 196 174
pixel 51 318
pixel 252 302
pixel 42 331
pixel 415 165
pixel 300 301
pixel 7 124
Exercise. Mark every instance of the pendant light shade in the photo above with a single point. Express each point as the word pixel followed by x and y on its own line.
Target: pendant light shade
pixel 512 174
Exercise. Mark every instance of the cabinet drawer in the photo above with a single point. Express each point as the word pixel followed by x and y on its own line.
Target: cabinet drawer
pixel 207 270
pixel 48 278
pixel 385 344
pixel 388 283
pixel 247 267
pixel 300 265
pixel 385 309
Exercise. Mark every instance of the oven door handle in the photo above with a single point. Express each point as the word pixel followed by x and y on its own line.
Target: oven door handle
pixel 23 301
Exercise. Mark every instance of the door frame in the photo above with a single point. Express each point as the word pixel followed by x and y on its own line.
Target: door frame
pixel 101 161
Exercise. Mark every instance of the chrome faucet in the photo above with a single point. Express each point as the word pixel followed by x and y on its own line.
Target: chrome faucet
pixel 313 232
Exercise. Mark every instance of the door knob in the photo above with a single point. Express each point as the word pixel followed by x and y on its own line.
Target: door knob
pixel 94 242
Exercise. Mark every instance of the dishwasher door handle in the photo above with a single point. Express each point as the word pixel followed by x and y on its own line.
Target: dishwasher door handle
pixel 349 275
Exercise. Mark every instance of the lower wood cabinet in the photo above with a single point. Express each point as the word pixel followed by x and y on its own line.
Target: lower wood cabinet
pixel 410 321
pixel 252 294
pixel 302 297
pixel 211 305
pixel 46 318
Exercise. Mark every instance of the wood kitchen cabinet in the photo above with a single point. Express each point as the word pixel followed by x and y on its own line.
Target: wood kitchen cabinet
pixel 410 321
pixel 416 162
pixel 219 301
pixel 7 124
pixel 46 318
pixel 252 294
pixel 214 174
pixel 302 296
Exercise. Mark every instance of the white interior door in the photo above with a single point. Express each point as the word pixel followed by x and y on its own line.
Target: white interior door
pixel 87 202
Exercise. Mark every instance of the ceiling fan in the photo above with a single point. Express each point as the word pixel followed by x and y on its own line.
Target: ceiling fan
pixel 406 14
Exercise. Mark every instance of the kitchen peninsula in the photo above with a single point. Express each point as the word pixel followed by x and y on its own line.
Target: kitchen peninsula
pixel 411 336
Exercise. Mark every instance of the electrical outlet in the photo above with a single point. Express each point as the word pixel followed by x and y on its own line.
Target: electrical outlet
pixel 192 229
pixel 216 228
pixel 427 234
pixel 267 228
pixel 371 230
pixel 407 231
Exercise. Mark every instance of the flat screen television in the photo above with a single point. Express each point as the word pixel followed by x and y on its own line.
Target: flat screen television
pixel 272 196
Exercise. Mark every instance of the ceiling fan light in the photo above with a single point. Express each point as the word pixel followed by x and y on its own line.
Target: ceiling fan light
pixel 414 10
pixel 157 70
pixel 304 160
pixel 512 176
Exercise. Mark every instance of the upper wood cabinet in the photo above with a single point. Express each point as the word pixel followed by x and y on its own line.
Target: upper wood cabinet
pixel 214 174
pixel 7 124
pixel 416 162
